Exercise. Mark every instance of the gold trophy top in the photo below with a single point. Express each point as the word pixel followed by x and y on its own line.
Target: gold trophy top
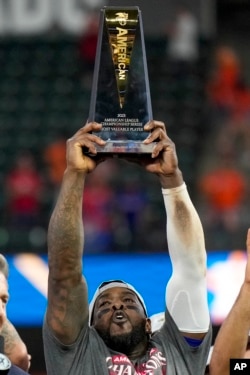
pixel 121 26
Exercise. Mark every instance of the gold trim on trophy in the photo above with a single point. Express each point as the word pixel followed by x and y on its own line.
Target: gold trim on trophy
pixel 121 28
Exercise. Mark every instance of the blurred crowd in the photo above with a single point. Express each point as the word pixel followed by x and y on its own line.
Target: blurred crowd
pixel 118 209
pixel 224 176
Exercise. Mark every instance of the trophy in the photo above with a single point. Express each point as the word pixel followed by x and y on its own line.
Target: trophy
pixel 120 96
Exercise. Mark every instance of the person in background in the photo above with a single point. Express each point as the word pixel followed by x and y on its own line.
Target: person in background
pixel 87 47
pixel 13 351
pixel 113 334
pixel 222 190
pixel 54 156
pixel 23 189
pixel 232 340
pixel 99 210
pixel 183 41
pixel 227 88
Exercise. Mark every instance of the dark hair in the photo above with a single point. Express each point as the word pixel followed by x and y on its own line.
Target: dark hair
pixel 4 267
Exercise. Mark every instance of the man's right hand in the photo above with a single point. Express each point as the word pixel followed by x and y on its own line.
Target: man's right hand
pixel 76 159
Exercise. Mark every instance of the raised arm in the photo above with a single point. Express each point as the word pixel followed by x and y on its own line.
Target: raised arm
pixel 186 293
pixel 67 310
pixel 231 340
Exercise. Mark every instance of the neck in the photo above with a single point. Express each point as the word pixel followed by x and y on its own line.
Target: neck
pixel 139 351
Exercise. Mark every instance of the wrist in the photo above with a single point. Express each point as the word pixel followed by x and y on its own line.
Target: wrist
pixel 73 172
pixel 74 177
pixel 172 180
pixel 174 190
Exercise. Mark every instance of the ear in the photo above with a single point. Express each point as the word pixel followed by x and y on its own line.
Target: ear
pixel 148 326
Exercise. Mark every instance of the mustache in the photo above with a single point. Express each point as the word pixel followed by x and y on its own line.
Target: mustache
pixel 108 309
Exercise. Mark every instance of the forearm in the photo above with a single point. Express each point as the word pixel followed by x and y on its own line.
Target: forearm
pixel 67 289
pixel 65 232
pixel 231 340
pixel 184 230
pixel 186 289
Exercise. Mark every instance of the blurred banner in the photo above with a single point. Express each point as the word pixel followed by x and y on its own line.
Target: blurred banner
pixel 21 17
pixel 147 272
pixel 36 17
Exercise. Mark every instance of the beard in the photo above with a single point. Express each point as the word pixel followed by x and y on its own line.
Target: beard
pixel 126 342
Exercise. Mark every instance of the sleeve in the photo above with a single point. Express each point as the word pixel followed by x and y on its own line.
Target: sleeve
pixel 186 292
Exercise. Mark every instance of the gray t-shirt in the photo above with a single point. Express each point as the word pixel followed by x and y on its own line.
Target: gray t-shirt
pixel 168 354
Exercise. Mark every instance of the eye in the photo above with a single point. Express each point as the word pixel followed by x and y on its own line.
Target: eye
pixel 129 300
pixel 4 301
pixel 104 303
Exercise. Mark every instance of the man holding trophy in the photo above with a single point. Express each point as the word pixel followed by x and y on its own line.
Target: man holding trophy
pixel 112 335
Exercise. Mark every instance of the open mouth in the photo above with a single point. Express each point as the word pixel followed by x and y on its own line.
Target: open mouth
pixel 119 316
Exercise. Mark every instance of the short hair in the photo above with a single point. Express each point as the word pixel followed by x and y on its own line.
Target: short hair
pixel 4 267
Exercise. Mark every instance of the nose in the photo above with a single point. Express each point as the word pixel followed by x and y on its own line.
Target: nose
pixel 117 306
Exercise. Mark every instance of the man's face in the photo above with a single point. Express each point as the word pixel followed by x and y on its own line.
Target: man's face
pixel 4 297
pixel 120 320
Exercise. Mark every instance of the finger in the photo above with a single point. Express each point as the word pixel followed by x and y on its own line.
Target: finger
pixel 153 167
pixel 162 146
pixel 157 134
pixel 86 140
pixel 85 145
pixel 153 124
pixel 89 127
pixel 88 147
